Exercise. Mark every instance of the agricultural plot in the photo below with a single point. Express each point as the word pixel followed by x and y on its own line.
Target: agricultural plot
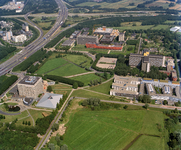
pixel 114 129
pixel 87 78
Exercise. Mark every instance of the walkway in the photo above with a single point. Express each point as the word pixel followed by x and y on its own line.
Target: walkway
pixel 78 74
pixel 31 117
pixel 10 114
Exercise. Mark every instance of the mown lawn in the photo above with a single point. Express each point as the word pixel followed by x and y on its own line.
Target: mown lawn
pixel 77 59
pixel 113 129
pixel 67 70
pixel 148 143
pixel 37 113
pixel 87 78
pixel 102 88
pixel 88 94
pixel 51 64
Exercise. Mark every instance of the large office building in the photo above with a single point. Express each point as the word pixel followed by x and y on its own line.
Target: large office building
pixel 83 39
pixel 145 61
pixel 19 38
pixel 125 86
pixel 30 86
pixel 103 31
pixel 121 36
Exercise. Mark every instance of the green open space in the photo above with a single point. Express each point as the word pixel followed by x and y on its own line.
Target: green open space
pixel 27 119
pixel 148 142
pixel 88 94
pixel 51 64
pixel 10 118
pixel 87 78
pixel 83 48
pixel 67 70
pixel 2 107
pixel 134 27
pixel 102 88
pixel 38 114
pixel 61 89
pixel 114 129
pixel 78 59
pixel 159 27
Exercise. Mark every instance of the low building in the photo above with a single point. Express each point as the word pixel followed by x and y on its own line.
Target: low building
pixel 19 38
pixel 174 75
pixel 68 43
pixel 103 31
pixel 49 100
pixel 8 35
pixel 107 39
pixel 101 46
pixel 75 34
pixel 27 101
pixel 83 39
pixel 121 36
pixel 174 29
pixel 30 86
pixel 125 86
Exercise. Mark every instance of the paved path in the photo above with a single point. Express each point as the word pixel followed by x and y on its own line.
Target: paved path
pixel 10 114
pixel 56 119
pixel 78 74
pixel 31 117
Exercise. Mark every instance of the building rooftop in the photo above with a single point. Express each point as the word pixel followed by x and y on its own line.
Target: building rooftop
pixel 103 30
pixel 128 79
pixel 49 100
pixel 68 42
pixel 29 80
pixel 107 38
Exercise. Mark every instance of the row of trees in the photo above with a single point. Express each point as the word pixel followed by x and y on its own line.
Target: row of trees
pixel 5 50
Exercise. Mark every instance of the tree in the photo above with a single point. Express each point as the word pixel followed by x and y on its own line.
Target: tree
pixel 105 75
pixel 29 123
pixel 26 123
pixel 165 102
pixel 91 83
pixel 64 147
pixel 100 80
pixel 146 106
pixel 75 85
pixel 23 122
pixel 49 89
pixel 55 127
pixel 51 146
pixel 176 104
pixel 125 107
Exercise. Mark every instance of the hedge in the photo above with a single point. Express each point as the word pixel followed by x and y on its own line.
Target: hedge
pixel 64 80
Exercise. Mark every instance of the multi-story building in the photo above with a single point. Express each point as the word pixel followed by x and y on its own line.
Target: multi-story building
pixel 125 86
pixel 83 39
pixel 25 27
pixel 121 36
pixel 19 38
pixel 145 61
pixel 30 86
pixel 8 36
pixel 103 31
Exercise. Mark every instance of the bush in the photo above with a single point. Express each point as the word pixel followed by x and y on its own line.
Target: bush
pixel 125 107
pixel 55 127
pixel 64 80
pixel 49 89
pixel 75 85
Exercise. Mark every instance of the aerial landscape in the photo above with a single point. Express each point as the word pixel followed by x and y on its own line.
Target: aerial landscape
pixel 90 75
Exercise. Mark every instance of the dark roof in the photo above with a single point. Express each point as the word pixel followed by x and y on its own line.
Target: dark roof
pixel 14 90
pixel 146 59
pixel 30 80
pixel 107 38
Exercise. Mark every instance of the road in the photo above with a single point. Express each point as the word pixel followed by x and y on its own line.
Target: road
pixel 38 43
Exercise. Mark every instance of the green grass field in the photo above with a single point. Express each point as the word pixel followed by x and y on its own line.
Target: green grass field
pixel 134 27
pixel 88 94
pixel 77 59
pixel 159 27
pixel 10 118
pixel 87 78
pixel 113 129
pixel 148 142
pixel 67 70
pixel 38 114
pixel 61 89
pixel 51 64
pixel 102 88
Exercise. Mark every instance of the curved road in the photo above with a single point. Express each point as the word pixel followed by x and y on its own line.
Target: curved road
pixel 10 114
pixel 39 43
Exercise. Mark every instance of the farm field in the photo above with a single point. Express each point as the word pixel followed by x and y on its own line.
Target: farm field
pixel 51 64
pixel 114 129
pixel 87 78
pixel 102 88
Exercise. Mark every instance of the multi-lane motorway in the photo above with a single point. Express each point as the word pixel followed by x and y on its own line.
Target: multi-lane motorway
pixel 40 42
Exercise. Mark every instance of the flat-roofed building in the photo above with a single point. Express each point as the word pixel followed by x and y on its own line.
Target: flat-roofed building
pixel 30 86
pixel 174 29
pixel 174 76
pixel 121 36
pixel 146 61
pixel 125 86
pixel 107 39
pixel 103 31
pixel 83 39
pixel 19 38
pixel 68 43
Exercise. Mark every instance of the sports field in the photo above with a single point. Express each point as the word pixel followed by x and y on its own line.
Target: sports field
pixel 114 129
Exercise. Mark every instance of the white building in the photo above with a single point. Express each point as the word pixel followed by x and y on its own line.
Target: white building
pixel 174 29
pixel 8 36
pixel 19 38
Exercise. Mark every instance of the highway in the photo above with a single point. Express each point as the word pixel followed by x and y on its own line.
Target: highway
pixel 39 43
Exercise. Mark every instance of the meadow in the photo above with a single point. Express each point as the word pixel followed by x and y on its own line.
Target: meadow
pixel 87 78
pixel 114 129
pixel 61 89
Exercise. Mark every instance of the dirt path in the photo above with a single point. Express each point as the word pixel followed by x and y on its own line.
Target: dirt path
pixel 56 68
pixel 31 117
pixel 78 74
